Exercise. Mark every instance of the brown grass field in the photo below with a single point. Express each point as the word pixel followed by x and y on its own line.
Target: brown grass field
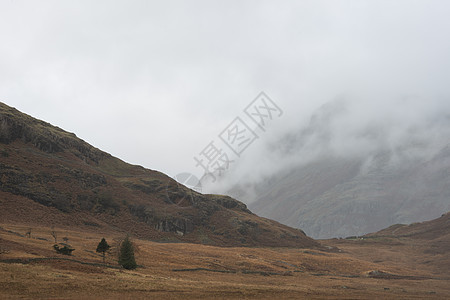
pixel 181 270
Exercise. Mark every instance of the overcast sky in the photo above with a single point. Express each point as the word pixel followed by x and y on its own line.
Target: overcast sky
pixel 153 82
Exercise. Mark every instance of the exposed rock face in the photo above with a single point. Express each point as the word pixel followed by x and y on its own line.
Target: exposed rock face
pixel 229 202
pixel 175 225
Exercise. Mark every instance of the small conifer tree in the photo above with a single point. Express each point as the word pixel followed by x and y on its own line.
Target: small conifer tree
pixel 126 255
pixel 102 248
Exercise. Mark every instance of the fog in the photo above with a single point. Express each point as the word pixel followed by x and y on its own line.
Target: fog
pixel 408 129
pixel 154 82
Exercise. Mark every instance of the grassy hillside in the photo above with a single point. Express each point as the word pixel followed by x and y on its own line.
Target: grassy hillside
pixel 50 177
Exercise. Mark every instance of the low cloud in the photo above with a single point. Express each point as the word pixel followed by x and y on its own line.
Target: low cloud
pixel 408 129
pixel 154 82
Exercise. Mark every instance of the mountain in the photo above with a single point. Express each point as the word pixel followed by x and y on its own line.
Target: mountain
pixel 437 229
pixel 350 176
pixel 428 243
pixel 422 247
pixel 49 177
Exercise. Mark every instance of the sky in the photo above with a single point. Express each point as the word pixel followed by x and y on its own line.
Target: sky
pixel 154 82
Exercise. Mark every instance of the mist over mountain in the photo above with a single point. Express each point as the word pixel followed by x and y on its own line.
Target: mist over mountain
pixel 354 167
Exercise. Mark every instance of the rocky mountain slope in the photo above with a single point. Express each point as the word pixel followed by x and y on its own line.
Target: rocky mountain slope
pixel 50 177
pixel 357 180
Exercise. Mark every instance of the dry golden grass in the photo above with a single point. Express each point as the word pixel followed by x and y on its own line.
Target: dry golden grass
pixel 258 273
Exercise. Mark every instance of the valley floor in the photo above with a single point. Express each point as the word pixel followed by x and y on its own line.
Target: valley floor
pixel 380 269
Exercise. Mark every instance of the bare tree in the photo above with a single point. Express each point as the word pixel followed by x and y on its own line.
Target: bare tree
pixel 54 234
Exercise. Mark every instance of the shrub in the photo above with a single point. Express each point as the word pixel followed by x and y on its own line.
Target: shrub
pixel 64 250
